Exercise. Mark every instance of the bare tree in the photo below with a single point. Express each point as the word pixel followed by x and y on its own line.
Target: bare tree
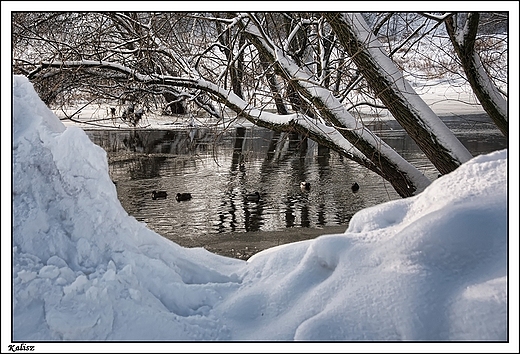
pixel 439 144
pixel 328 109
pixel 287 72
pixel 462 30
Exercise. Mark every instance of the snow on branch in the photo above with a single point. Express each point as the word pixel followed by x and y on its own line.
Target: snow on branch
pixel 290 37
pixel 399 96
pixel 439 18
pixel 336 113
pixel 319 131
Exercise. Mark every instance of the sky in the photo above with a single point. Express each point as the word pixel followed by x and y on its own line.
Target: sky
pixel 427 268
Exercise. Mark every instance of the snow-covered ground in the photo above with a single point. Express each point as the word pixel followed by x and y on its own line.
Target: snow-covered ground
pixel 433 267
pixel 443 98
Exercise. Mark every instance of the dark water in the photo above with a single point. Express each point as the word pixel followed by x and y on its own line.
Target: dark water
pixel 206 163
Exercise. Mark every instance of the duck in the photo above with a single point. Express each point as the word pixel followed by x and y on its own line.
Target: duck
pixel 305 186
pixel 355 187
pixel 254 197
pixel 183 196
pixel 159 195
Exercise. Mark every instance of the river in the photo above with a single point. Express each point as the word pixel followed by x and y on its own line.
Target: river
pixel 220 167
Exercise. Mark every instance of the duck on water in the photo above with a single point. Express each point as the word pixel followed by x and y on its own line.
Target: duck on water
pixel 159 195
pixel 254 197
pixel 183 196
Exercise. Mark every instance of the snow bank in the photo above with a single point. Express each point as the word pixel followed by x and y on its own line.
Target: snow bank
pixel 83 268
pixel 431 267
pixel 405 270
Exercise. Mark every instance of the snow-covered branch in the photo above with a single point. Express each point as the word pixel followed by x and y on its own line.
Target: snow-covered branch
pixel 439 18
pixel 290 37
pixel 439 144
pixel 274 61
pixel 317 131
pixel 490 97
pixel 336 113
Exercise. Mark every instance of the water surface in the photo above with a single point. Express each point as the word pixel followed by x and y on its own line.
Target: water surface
pixel 219 168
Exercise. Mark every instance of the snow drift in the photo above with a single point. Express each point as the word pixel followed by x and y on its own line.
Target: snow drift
pixel 430 267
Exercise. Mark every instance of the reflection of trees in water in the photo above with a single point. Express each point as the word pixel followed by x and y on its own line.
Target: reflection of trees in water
pixel 227 209
pixel 134 142
pixel 280 150
pixel 280 154
pixel 109 140
pixel 149 146
pixel 253 215
pixel 188 142
pixel 252 211
pixel 275 165
pixel 236 182
pixel 296 155
pixel 299 172
pixel 145 156
pixel 146 167
pixel 294 200
pixel 289 212
pixel 323 159
pixel 177 142
pixel 283 160
pixel 238 156
pixel 271 149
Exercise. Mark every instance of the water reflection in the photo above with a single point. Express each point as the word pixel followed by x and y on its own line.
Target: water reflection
pixel 220 168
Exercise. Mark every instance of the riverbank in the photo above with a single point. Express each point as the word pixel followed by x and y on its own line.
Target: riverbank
pixel 444 101
pixel 243 245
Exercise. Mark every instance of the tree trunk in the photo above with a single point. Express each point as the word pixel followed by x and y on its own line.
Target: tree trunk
pixel 174 103
pixel 438 143
pixel 274 87
pixel 405 179
pixel 463 40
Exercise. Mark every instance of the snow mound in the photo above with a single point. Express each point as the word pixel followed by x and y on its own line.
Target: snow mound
pixel 430 267
pixel 83 268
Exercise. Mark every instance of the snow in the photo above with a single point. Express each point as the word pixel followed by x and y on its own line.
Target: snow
pixel 433 267
pixel 332 106
pixel 429 120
